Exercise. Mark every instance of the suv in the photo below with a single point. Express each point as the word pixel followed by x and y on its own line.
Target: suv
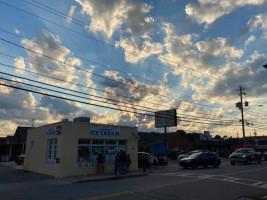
pixel 201 159
pixel 245 155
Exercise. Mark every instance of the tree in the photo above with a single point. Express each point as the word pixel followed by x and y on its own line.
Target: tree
pixel 218 137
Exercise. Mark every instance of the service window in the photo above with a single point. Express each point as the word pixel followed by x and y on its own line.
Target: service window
pixel 51 151
pixel 110 154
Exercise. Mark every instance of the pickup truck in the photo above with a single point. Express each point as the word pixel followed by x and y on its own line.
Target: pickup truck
pixel 245 155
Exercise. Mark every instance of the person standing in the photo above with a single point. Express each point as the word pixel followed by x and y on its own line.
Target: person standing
pixel 124 162
pixel 119 162
pixel 129 161
pixel 144 162
pixel 100 163
pixel 151 161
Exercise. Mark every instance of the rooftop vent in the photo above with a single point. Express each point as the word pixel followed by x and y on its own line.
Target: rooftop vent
pixel 82 119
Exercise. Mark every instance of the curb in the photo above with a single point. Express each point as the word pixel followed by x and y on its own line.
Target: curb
pixel 118 177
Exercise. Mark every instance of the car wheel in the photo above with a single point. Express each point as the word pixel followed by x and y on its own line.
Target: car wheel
pixel 232 163
pixel 259 161
pixel 216 164
pixel 266 159
pixel 206 166
pixel 246 162
pixel 185 167
pixel 194 165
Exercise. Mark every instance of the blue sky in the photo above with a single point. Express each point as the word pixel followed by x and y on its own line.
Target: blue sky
pixel 142 56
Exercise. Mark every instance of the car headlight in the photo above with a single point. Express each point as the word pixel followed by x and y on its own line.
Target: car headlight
pixel 244 156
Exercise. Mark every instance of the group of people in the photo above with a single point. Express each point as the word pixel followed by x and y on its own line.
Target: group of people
pixel 122 162
pixel 147 160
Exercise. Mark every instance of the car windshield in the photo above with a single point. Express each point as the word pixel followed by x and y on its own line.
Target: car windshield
pixel 195 155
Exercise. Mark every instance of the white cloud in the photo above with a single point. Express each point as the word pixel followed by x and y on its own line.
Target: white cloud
pixel 71 12
pixel 108 16
pixel 208 11
pixel 52 48
pixel 218 47
pixel 135 53
pixel 259 21
pixel 16 31
pixel 19 63
pixel 249 40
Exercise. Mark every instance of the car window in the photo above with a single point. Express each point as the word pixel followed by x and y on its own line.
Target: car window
pixel 195 155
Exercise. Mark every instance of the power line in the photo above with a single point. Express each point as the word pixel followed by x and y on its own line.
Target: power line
pixel 98 105
pixel 49 21
pixel 193 116
pixel 107 78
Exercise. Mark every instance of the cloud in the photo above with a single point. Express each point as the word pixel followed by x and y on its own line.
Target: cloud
pixel 58 106
pixel 208 11
pixel 125 16
pixel 19 63
pixel 108 16
pixel 218 47
pixel 250 75
pixel 52 48
pixel 128 89
pixel 249 40
pixel 135 53
pixel 71 12
pixel 17 31
pixel 259 21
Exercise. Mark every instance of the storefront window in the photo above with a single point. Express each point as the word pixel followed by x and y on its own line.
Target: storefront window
pixel 51 151
pixel 110 154
pixel 84 141
pixel 88 151
pixel 84 154
pixel 98 141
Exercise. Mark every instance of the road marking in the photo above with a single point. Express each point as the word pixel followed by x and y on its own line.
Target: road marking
pixel 142 189
pixel 198 177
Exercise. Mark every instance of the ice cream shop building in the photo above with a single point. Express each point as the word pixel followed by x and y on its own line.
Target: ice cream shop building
pixel 71 148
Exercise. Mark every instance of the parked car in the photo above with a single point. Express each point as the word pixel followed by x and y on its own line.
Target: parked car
pixel 189 154
pixel 265 155
pixel 245 155
pixel 20 159
pixel 201 159
pixel 147 155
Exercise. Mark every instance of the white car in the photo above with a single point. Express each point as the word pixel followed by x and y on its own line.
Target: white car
pixel 188 154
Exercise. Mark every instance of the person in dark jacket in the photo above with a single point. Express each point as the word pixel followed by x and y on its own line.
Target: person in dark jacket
pixel 144 161
pixel 129 161
pixel 100 163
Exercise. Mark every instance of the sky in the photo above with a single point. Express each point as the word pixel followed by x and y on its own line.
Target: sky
pixel 120 61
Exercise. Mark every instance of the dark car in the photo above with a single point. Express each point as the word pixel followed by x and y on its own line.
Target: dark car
pixel 20 159
pixel 204 159
pixel 245 155
pixel 147 155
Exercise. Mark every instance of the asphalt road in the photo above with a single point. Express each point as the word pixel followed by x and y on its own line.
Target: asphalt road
pixel 167 182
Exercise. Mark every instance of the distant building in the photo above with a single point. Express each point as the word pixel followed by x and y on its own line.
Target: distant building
pixel 17 143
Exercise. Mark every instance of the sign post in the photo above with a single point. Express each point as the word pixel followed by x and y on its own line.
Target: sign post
pixel 165 118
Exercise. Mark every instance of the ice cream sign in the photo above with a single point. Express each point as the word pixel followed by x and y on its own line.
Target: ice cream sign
pixel 104 132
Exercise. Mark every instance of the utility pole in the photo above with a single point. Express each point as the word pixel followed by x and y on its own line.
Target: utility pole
pixel 240 106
